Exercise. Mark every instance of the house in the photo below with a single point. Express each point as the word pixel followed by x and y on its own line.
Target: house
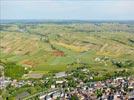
pixel 59 82
pixel 52 86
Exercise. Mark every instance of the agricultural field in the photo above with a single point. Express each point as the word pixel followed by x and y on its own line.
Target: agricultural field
pixel 54 47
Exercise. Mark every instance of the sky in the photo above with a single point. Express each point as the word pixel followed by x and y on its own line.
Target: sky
pixel 67 9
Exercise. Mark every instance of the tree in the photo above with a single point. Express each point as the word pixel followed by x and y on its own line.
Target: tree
pixel 74 97
pixel 98 93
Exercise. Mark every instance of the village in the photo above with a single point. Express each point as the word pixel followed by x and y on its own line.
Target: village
pixel 79 84
pixel 66 49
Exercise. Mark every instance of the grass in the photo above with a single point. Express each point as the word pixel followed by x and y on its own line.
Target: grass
pixel 50 68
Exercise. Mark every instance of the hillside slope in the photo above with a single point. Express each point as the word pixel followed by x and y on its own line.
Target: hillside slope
pixel 52 47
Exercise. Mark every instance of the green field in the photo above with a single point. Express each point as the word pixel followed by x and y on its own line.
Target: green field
pixel 53 47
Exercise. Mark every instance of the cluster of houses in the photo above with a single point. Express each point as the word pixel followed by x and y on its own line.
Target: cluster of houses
pixel 120 88
pixel 5 81
pixel 111 89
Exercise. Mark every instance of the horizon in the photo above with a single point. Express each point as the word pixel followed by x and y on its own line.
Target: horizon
pixel 60 21
pixel 67 10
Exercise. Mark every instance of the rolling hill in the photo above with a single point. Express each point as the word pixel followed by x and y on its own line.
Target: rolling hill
pixel 54 46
